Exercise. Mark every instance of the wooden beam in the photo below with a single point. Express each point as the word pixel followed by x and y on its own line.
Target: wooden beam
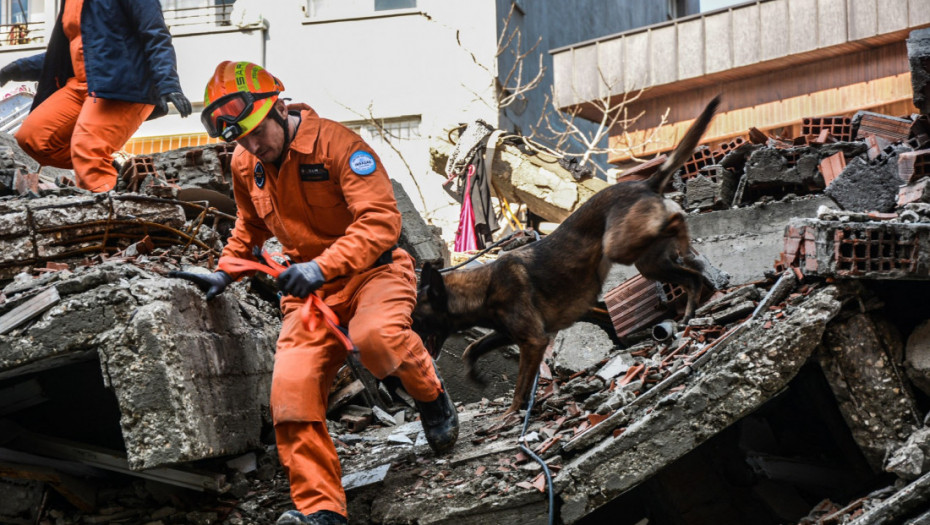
pixel 29 310
pixel 115 461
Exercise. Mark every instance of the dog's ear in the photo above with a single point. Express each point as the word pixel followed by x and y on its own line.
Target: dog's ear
pixel 432 283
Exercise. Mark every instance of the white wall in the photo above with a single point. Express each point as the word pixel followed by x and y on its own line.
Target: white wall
pixel 409 65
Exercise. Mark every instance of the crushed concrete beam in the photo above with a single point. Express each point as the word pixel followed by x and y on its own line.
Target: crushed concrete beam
pixel 548 190
pixel 34 231
pixel 868 384
pixel 747 370
pixel 917 362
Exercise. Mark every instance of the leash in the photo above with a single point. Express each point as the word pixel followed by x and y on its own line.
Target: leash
pixel 526 421
pixel 312 311
pixel 488 248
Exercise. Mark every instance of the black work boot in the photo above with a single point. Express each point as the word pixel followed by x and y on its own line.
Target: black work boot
pixel 322 517
pixel 440 420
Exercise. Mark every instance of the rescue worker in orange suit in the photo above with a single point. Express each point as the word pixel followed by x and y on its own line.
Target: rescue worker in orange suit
pixel 108 67
pixel 321 190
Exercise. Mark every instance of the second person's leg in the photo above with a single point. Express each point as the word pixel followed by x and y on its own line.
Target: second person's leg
pixel 46 133
pixel 102 128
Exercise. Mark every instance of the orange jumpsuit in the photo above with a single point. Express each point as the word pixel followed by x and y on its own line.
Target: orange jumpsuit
pixel 320 209
pixel 73 131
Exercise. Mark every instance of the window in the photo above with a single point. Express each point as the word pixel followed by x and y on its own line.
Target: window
pixel 387 5
pixel 354 8
pixel 21 11
pixel 399 129
pixel 196 12
pixel 22 21
pixel 676 9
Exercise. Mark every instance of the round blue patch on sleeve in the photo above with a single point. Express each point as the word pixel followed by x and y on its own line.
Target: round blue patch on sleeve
pixel 362 163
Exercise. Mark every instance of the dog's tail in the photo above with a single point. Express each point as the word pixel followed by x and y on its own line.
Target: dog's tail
pixel 659 180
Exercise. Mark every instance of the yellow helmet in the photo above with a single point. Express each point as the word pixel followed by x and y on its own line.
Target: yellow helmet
pixel 238 97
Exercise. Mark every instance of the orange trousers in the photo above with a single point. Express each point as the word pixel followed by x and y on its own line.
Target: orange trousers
pixel 378 304
pixel 71 130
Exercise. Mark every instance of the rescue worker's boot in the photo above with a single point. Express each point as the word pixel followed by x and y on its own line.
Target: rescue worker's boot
pixel 440 420
pixel 322 517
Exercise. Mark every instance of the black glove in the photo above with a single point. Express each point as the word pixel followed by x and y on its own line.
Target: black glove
pixel 179 100
pixel 300 280
pixel 212 284
pixel 7 73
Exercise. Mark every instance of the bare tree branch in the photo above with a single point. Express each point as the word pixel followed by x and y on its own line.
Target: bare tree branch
pixel 560 129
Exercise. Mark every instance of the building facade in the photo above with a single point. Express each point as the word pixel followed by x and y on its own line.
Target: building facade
pixel 397 71
pixel 774 61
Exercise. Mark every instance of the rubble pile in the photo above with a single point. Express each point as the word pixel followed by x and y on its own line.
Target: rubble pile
pixel 860 162
pixel 799 395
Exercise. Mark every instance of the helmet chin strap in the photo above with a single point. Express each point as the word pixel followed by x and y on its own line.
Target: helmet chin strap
pixel 283 121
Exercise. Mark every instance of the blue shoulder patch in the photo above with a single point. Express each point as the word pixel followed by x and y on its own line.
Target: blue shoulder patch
pixel 259 173
pixel 362 163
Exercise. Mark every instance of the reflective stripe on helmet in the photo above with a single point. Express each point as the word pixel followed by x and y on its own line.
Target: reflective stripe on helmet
pixel 232 77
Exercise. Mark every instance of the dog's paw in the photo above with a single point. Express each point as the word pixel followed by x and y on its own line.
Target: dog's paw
pixel 474 376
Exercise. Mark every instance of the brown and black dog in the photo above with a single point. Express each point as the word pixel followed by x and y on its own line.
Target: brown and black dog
pixel 534 291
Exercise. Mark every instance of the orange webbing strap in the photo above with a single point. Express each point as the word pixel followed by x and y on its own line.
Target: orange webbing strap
pixel 310 312
pixel 233 265
pixel 310 317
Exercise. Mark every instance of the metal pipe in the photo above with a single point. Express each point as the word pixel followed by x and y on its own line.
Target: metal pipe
pixel 664 330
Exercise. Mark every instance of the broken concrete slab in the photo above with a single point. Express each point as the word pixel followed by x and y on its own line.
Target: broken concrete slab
pixel 190 378
pixel 863 250
pixel 867 186
pixel 712 188
pixel 206 167
pixel 918 54
pixel 579 347
pixel 743 242
pixel 912 458
pixel 420 240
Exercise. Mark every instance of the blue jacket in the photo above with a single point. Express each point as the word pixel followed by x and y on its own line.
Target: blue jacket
pixel 127 54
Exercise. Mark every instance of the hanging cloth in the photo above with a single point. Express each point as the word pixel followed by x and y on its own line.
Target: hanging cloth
pixel 483 210
pixel 465 239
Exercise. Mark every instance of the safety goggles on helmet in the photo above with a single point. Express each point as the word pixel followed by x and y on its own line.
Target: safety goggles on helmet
pixel 222 117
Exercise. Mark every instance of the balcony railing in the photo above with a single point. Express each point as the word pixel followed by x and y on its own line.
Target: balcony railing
pixel 213 15
pixel 22 34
